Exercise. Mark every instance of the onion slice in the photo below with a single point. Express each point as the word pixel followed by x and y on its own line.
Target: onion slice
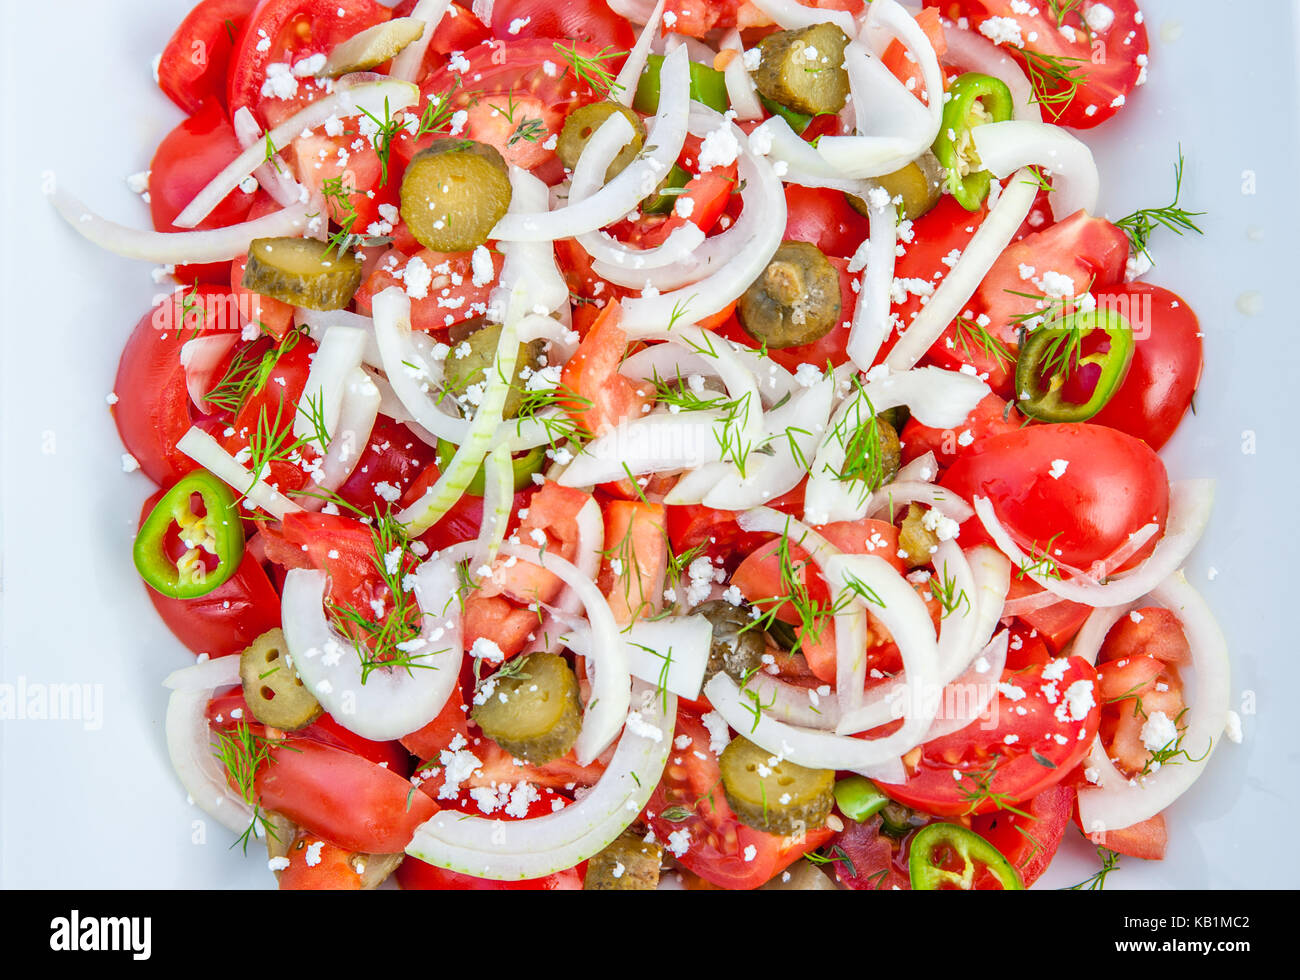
pixel 1190 504
pixel 177 248
pixel 199 446
pixel 410 60
pixel 1007 146
pixel 625 85
pixel 347 100
pixel 1117 802
pixel 190 748
pixel 506 850
pixel 791 15
pixel 974 52
pixel 670 653
pixel 956 289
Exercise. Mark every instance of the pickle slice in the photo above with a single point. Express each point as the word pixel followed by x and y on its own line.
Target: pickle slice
pixel 534 713
pixel 582 124
pixel 470 360
pixel 302 272
pixel 916 539
pixel 803 70
pixel 737 649
pixel 919 184
pixel 628 864
pixel 774 795
pixel 454 193
pixel 795 301
pixel 372 47
pixel 275 695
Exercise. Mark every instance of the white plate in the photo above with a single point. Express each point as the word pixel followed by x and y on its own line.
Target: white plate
pixel 100 808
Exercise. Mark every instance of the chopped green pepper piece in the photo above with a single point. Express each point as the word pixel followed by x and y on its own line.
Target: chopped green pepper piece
pixel 973 99
pixel 525 466
pixel 708 86
pixel 797 120
pixel 663 199
pixel 217 531
pixel 1053 369
pixel 859 798
pixel 944 856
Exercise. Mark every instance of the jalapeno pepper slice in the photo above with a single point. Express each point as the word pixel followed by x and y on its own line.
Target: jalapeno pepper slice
pixel 946 856
pixel 524 466
pixel 859 798
pixel 1058 364
pixel 973 100
pixel 708 86
pixel 217 531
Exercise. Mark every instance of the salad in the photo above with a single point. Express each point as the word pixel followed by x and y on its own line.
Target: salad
pixel 665 444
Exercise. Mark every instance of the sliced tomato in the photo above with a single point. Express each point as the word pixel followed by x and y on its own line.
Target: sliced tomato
pixel 1105 53
pixel 900 61
pixel 415 875
pixel 390 464
pixel 342 797
pixel 285 32
pixel 1168 358
pixel 1029 839
pixel 636 559
pixel 1045 721
pixel 1147 840
pixel 601 397
pixel 1148 632
pixel 185 162
pixel 589 21
pixel 715 532
pixel 866 859
pixel 272 315
pixel 708 195
pixel 1112 486
pixel 454 295
pixel 991 417
pixel 317 865
pixel 710 840
pixel 226 621
pixel 195 63
pixel 825 219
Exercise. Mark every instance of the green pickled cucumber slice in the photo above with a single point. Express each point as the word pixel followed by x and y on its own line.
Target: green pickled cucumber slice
pixel 302 272
pixel 454 193
pixel 803 70
pixel 795 301
pixel 582 124
pixel 774 795
pixel 372 47
pixel 274 694
pixel 628 864
pixel 534 713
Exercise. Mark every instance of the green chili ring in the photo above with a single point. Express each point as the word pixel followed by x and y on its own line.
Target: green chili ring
pixel 524 466
pixel 859 798
pixel 708 86
pixel 955 142
pixel 944 841
pixel 1051 353
pixel 218 531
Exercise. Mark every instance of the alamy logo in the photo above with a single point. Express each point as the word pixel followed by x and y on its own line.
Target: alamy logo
pixel 133 934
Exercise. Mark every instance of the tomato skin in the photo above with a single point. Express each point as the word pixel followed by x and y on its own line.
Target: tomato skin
pixel 1146 840
pixel 991 417
pixel 196 60
pixel 332 870
pixel 344 798
pixel 1111 74
pixel 430 314
pixel 1168 359
pixel 718 840
pixel 415 875
pixel 592 374
pixel 185 162
pixel 693 525
pixel 996 772
pixel 296 29
pixel 393 456
pixel 590 21
pixel 824 218
pixel 1049 814
pixel 876 861
pixel 1113 486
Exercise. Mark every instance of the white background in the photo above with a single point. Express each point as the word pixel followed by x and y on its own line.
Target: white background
pixel 101 808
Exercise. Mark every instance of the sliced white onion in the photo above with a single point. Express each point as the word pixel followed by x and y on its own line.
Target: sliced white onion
pixel 624 265
pixel 505 850
pixel 213 457
pixel 357 417
pixel 391 702
pixel 1007 146
pixel 204 675
pixel 605 712
pixel 637 11
pixel 670 653
pixel 795 705
pixel 670 361
pixel 177 248
pixel 992 573
pixel 318 322
pixel 346 100
pixel 410 60
pixel 1117 802
pixel 968 696
pixel 190 748
pixel 873 317
pixel 803 165
pixel 1190 503
pixel 629 76
pixel 791 15
pixel 923 469
pixel 936 397
pixel 531 263
pixel 337 357
pixel 741 91
pixel 956 289
pixel 974 52
pixel 890 499
pixel 271 176
pixel 199 357
pixel 657 443
pixel 622 194
pixel 498 495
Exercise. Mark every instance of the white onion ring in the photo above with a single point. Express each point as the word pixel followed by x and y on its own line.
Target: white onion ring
pixel 625 85
pixel 201 447
pixel 1007 146
pixel 408 62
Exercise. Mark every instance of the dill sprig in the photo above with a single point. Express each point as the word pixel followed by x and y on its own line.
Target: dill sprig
pixel 976 789
pixel 969 332
pixel 1167 754
pixel 1140 225
pixel 591 69
pixel 243 753
pixel 1097 881
pixel 944 588
pixel 249 372
pixel 1040 562
pixel 1055 79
